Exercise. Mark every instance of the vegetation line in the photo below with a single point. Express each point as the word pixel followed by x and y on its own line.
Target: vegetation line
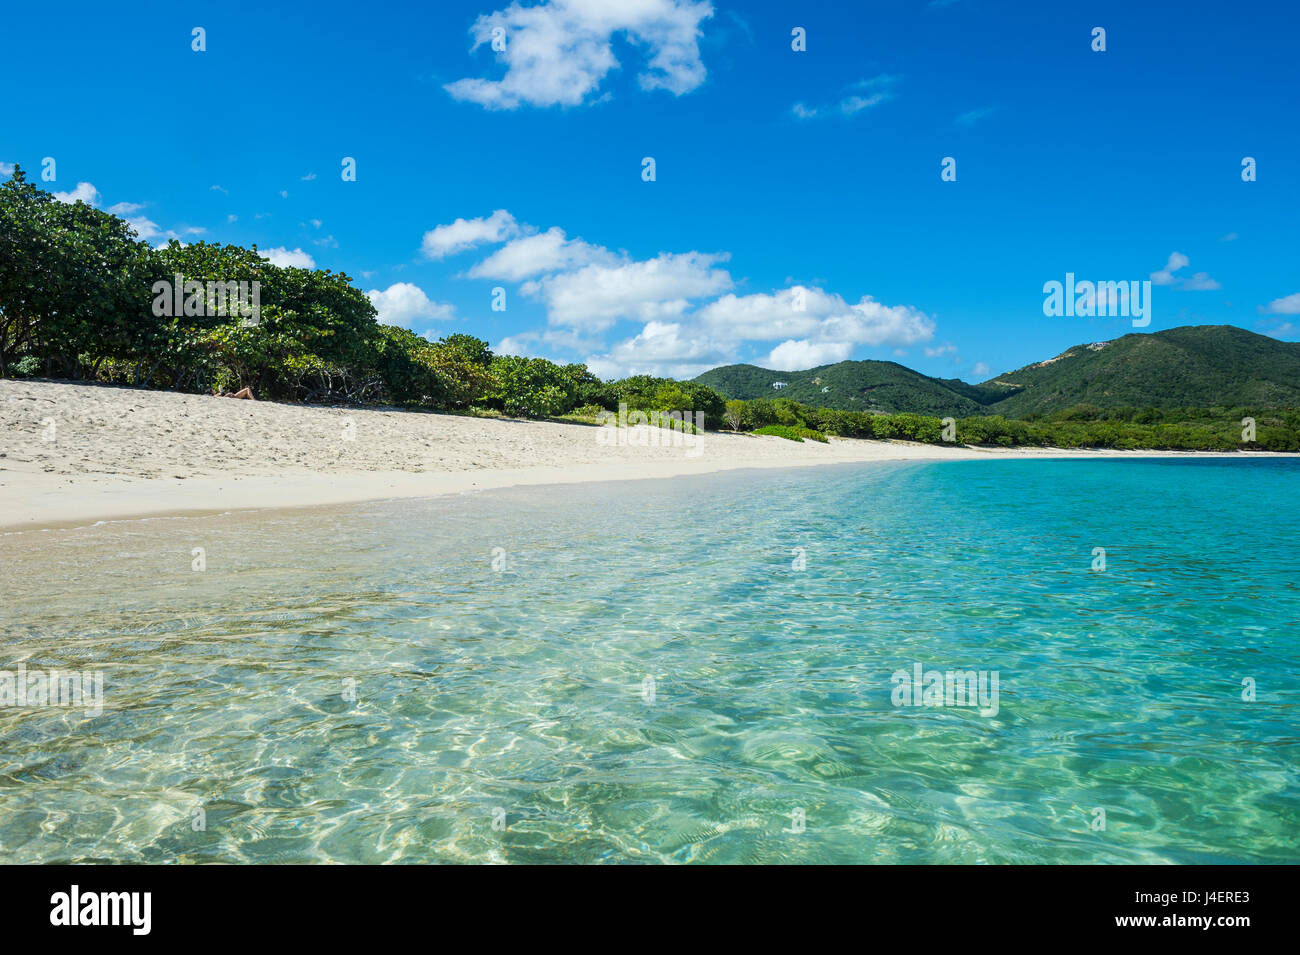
pixel 82 298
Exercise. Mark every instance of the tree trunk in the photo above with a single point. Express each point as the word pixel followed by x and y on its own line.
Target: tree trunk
pixel 149 376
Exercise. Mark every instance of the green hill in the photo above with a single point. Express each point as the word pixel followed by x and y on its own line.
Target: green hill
pixel 1201 366
pixel 881 386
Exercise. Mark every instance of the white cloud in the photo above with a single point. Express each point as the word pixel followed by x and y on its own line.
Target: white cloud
pixel 558 52
pixel 515 345
pixel 825 330
pixel 84 192
pixel 404 304
pixel 1287 305
pixel 532 255
pixel 597 295
pixel 761 316
pixel 981 370
pixel 286 258
pixel 1166 275
pixel 445 240
pixel 871 323
pixel 221 189
pixel 1200 282
pixel 867 93
pixel 587 288
pixel 813 326
pixel 798 355
pixel 661 348
pixel 971 117
pixel 524 342
pixel 309 177
pixel 855 104
pixel 146 229
pixel 823 318
pixel 6 169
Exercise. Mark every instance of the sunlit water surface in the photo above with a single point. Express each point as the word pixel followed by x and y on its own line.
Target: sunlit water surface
pixel 504 715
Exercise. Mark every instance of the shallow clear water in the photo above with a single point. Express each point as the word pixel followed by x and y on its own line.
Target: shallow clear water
pixel 519 695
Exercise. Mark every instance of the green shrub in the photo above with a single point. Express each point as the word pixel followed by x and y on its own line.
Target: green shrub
pixel 399 357
pixel 791 434
pixel 465 370
pixel 532 387
pixel 647 393
pixel 787 412
pixel 780 431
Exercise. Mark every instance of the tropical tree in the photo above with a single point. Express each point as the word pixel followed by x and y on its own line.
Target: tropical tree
pixel 310 337
pixel 533 387
pixel 73 280
pixel 734 414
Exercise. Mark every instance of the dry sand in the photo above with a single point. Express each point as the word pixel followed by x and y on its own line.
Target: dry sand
pixel 72 454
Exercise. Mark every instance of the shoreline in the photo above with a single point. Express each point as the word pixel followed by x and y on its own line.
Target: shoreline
pixel 122 454
pixel 84 503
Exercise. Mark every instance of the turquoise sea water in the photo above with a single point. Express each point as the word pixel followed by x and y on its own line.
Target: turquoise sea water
pixel 504 714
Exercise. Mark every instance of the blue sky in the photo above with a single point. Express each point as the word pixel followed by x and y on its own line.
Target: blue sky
pixel 776 171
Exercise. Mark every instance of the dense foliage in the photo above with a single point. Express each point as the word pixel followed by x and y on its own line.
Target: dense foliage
pixel 1085 426
pixel 72 280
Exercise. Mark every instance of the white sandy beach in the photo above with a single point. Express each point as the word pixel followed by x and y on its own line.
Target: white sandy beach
pixel 73 454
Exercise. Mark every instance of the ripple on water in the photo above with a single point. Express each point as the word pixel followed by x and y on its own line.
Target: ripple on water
pixel 651 678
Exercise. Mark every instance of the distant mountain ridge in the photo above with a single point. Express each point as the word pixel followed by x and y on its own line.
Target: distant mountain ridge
pixel 1193 366
pixel 882 386
pixel 1199 366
